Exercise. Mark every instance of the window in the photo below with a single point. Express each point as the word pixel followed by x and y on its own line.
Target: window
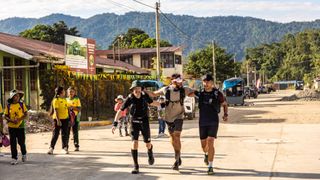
pixel 7 74
pixel 146 60
pixel 167 59
pixel 33 79
pixel 127 58
pixel 177 59
pixel 19 74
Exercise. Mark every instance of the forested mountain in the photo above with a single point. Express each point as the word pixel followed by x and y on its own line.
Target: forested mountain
pixel 232 32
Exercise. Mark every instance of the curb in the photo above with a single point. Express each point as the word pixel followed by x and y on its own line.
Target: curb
pixel 95 123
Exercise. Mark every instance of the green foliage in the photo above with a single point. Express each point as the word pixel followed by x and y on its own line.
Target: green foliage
pixel 232 32
pixel 295 57
pixel 136 38
pixel 200 63
pixel 54 34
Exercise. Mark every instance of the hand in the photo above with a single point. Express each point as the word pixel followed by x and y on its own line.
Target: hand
pixel 15 121
pixel 59 123
pixel 225 117
pixel 113 129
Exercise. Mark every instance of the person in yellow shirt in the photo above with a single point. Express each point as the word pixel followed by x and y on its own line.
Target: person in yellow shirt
pixel 15 114
pixel 74 106
pixel 1 119
pixel 61 121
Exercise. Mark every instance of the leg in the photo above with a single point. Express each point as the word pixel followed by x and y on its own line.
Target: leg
pixel 65 133
pixel 210 147
pixel 13 143
pixel 22 140
pixel 175 129
pixel 145 130
pixel 135 130
pixel 126 126
pixel 203 131
pixel 212 134
pixel 120 126
pixel 75 130
pixel 55 134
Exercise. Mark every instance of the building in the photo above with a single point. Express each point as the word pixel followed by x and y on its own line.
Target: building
pixel 171 58
pixel 22 60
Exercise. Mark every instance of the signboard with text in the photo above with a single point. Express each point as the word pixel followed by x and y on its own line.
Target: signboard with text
pixel 80 54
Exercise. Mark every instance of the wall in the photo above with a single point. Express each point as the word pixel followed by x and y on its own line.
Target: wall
pixel 136 60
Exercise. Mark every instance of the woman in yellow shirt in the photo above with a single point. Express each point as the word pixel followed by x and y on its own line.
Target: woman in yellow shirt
pixel 60 119
pixel 15 114
pixel 74 105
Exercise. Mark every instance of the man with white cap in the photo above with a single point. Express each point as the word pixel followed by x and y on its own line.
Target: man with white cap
pixel 16 113
pixel 174 112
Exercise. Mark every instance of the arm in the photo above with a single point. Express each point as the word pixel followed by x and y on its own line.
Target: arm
pixel 115 121
pixel 155 93
pixel 225 110
pixel 155 103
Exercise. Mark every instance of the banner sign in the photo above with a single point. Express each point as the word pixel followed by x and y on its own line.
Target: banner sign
pixel 80 54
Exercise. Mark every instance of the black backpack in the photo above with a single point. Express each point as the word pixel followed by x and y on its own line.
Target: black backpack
pixel 168 94
pixel 214 95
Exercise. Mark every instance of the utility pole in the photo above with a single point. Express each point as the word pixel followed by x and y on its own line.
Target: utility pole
pixel 214 64
pixel 158 39
pixel 248 82
pixel 234 61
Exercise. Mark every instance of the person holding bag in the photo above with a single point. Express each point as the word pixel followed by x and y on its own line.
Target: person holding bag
pixel 60 116
pixel 15 114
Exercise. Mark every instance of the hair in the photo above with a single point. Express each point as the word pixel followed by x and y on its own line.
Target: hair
pixel 175 76
pixel 58 91
pixel 71 88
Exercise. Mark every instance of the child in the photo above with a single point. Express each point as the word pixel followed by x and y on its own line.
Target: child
pixel 61 120
pixel 15 114
pixel 74 105
pixel 161 115
pixel 123 119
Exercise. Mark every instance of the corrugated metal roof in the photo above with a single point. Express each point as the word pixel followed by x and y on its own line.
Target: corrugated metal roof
pixel 33 47
pixel 120 65
pixel 140 50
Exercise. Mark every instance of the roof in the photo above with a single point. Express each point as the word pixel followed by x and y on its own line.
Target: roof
pixel 140 50
pixel 120 65
pixel 42 51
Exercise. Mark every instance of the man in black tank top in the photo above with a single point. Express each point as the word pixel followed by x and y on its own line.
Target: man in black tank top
pixel 138 102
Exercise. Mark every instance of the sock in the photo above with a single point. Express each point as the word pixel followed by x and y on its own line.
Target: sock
pixel 210 164
pixel 134 154
pixel 177 155
pixel 150 151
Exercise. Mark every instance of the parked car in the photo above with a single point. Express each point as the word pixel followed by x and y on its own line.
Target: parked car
pixel 263 90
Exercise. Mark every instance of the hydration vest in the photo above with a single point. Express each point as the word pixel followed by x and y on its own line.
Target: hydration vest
pixel 168 94
pixel 213 101
pixel 133 107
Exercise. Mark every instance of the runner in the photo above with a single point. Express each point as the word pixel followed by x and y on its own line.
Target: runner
pixel 210 101
pixel 60 116
pixel 74 106
pixel 123 121
pixel 174 112
pixel 138 102
pixel 15 114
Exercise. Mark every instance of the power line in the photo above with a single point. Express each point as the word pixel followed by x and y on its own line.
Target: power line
pixel 121 5
pixel 144 4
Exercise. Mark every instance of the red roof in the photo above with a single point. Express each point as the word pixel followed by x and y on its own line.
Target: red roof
pixel 35 48
pixel 120 65
pixel 139 50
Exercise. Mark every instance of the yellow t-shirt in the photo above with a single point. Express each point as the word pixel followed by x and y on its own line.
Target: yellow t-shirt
pixel 62 107
pixel 75 102
pixel 1 110
pixel 16 111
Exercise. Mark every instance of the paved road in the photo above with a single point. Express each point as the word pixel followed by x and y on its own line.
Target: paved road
pixel 243 151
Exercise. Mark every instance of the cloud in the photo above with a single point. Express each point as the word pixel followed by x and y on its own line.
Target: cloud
pixel 281 11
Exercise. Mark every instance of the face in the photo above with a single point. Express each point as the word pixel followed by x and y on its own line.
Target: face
pixel 63 93
pixel 161 100
pixel 137 91
pixel 119 101
pixel 72 93
pixel 207 84
pixel 16 98
pixel 176 84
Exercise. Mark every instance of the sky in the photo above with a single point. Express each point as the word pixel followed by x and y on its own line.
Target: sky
pixel 273 10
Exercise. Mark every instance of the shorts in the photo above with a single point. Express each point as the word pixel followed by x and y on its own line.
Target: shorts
pixel 208 131
pixel 144 127
pixel 176 125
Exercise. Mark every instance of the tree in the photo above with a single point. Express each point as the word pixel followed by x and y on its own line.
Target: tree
pixel 136 38
pixel 200 63
pixel 54 34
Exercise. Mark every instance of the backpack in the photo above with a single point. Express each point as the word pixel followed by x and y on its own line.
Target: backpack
pixel 168 94
pixel 214 95
pixel 21 105
pixel 133 108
